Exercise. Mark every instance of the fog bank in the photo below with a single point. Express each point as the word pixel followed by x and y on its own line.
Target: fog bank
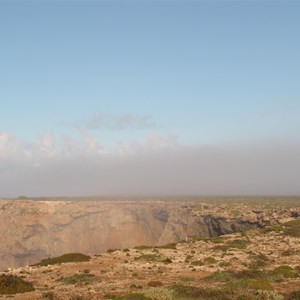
pixel 159 166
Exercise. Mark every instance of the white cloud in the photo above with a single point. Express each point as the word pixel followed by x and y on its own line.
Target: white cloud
pixel 12 149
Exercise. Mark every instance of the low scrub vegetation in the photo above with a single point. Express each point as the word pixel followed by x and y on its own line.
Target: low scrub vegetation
pixel 238 244
pixel 191 292
pixel 10 284
pixel 66 258
pixel 79 278
pixel 168 246
pixel 291 228
pixel 285 271
pixel 149 257
pixel 143 247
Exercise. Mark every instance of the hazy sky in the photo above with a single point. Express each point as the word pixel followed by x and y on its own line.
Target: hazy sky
pixel 149 97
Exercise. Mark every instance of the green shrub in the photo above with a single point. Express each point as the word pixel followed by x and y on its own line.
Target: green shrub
pixel 112 250
pixel 290 252
pixel 221 276
pixel 79 278
pixel 168 246
pixel 253 284
pixel 10 284
pixel 261 284
pixel 197 263
pixel 246 279
pixel 149 257
pixel 252 274
pixel 217 240
pixel 292 228
pixel 275 228
pixel 238 244
pixel 143 247
pixel 191 292
pixel 236 213
pixel 210 260
pixel 257 264
pixel 258 261
pixel 70 257
pixel 285 271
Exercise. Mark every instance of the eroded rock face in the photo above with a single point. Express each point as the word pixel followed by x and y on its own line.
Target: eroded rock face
pixel 34 230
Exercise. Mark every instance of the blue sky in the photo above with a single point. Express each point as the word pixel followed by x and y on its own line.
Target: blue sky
pixel 205 72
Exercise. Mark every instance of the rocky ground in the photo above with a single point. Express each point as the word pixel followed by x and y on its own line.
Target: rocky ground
pixel 259 263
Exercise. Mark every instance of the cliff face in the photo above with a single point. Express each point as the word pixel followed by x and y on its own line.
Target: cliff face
pixel 34 230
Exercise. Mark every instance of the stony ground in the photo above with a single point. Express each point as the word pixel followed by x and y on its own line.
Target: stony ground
pixel 188 263
pixel 260 264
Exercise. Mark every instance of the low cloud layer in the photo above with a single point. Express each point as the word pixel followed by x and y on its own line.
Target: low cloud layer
pixel 156 166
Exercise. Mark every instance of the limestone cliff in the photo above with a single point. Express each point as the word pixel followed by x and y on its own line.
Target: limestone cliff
pixel 33 230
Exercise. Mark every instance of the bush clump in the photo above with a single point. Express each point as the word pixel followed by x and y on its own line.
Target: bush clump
pixel 210 260
pixel 258 261
pixel 69 257
pixel 143 247
pixel 112 250
pixel 292 228
pixel 238 244
pixel 79 278
pixel 285 271
pixel 273 228
pixel 168 246
pixel 261 284
pixel 10 284
pixel 148 257
pixel 246 279
pixel 221 276
pixel 159 293
pixel 191 292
